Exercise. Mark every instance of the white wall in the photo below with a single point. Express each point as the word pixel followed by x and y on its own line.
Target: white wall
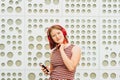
pixel 94 25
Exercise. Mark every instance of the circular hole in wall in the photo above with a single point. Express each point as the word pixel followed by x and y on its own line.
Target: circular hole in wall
pixel 113 75
pixel 10 63
pixel 92 75
pixel 39 55
pixel 31 76
pixel 105 63
pixel 39 46
pixel 113 55
pixel 39 38
pixel 10 9
pixel 18 21
pixel 47 2
pixel 105 75
pixel 113 63
pixel 9 54
pixel 9 21
pixel 18 63
pixel 2 46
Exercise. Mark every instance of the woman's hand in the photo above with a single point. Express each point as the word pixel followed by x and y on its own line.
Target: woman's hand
pixel 62 47
pixel 44 69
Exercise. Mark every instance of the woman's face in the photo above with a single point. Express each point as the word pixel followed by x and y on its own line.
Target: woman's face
pixel 57 36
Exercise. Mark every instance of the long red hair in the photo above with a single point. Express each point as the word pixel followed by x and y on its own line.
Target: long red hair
pixel 51 41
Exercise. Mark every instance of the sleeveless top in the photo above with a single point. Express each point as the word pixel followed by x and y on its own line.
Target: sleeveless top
pixel 60 71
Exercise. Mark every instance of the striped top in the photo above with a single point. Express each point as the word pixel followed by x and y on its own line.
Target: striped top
pixel 60 71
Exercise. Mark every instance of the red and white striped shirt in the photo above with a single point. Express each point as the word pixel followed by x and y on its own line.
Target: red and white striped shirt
pixel 60 71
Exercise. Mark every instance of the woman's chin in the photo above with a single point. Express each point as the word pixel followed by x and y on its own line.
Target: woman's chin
pixel 59 42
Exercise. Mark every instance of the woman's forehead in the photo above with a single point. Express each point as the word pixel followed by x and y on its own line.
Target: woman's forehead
pixel 55 30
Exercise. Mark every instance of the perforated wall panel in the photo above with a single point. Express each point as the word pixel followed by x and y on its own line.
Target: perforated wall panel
pixel 94 25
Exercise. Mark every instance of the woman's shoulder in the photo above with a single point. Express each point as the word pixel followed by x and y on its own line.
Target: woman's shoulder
pixel 76 50
pixel 75 47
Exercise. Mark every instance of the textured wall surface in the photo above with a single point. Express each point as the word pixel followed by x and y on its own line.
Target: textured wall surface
pixel 94 25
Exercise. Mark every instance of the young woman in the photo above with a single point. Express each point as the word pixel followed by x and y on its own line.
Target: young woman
pixel 64 57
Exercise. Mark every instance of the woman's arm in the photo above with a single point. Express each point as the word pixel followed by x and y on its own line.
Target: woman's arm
pixel 45 68
pixel 51 66
pixel 72 63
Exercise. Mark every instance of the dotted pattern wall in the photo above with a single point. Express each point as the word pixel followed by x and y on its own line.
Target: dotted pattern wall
pixel 94 25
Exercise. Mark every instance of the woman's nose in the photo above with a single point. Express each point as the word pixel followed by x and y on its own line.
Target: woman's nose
pixel 57 35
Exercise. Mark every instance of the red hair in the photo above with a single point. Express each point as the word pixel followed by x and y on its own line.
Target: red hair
pixel 51 41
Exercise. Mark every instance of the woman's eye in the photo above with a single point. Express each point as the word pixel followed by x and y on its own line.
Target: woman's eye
pixel 53 35
pixel 58 32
